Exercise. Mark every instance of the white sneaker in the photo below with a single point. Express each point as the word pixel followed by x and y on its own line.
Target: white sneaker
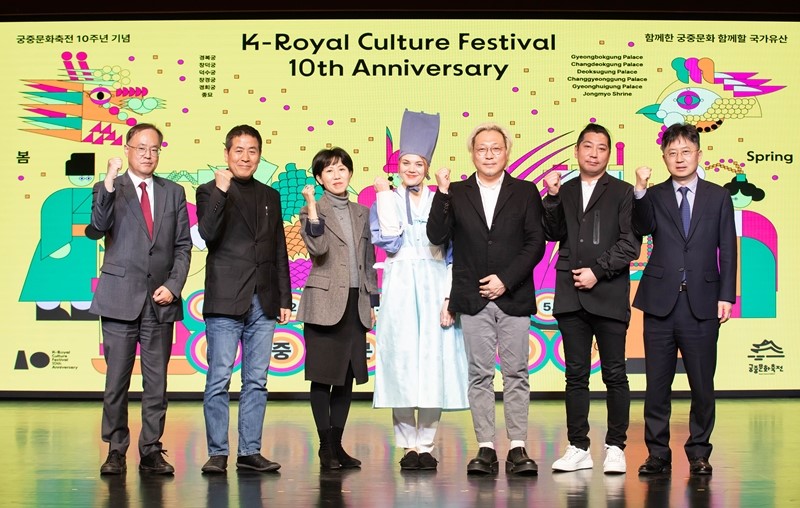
pixel 615 460
pixel 574 459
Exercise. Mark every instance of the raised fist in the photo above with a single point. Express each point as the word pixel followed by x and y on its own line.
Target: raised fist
pixel 552 181
pixel 114 165
pixel 642 176
pixel 309 192
pixel 222 177
pixel 443 179
pixel 381 184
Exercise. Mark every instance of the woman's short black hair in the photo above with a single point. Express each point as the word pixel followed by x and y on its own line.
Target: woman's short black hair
pixel 326 157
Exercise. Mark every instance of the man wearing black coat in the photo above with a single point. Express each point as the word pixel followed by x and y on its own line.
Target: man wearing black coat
pixel 494 222
pixel 590 217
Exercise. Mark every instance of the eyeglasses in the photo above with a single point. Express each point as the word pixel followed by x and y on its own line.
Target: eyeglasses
pixel 141 151
pixel 673 154
pixel 482 151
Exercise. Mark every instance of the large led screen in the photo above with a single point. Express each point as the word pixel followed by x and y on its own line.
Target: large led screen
pixel 73 89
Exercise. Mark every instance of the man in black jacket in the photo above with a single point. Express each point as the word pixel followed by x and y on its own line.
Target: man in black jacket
pixel 590 217
pixel 494 221
pixel 247 293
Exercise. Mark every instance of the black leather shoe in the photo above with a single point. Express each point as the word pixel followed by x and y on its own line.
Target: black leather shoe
pixel 427 462
pixel 216 464
pixel 410 461
pixel 154 463
pixel 700 466
pixel 114 464
pixel 655 465
pixel 256 462
pixel 518 462
pixel 483 463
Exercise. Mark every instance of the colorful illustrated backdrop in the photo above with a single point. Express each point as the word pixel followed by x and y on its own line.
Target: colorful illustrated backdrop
pixel 72 89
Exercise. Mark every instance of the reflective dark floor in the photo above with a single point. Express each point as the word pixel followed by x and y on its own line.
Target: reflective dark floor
pixel 51 454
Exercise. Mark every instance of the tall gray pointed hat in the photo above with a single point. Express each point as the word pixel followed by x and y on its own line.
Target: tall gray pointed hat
pixel 418 134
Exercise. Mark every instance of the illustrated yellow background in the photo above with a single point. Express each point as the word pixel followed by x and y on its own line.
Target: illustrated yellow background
pixel 207 79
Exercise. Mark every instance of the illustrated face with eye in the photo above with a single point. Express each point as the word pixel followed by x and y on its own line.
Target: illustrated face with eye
pixel 741 200
pixel 81 180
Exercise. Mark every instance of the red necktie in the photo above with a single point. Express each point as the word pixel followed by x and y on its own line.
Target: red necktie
pixel 148 215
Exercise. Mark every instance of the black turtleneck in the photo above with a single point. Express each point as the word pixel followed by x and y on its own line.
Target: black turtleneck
pixel 247 189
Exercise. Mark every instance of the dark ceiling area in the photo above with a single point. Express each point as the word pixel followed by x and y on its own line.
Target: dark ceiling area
pixel 411 9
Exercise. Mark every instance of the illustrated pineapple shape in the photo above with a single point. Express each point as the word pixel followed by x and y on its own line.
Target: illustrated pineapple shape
pixel 299 264
pixel 290 184
pixel 294 243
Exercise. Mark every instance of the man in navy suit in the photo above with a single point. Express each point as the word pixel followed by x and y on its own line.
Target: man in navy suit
pixel 590 218
pixel 495 223
pixel 687 290
pixel 138 297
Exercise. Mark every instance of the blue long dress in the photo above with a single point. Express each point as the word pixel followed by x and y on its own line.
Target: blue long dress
pixel 419 363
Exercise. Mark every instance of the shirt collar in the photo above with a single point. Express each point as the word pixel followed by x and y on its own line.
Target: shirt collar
pixel 136 180
pixel 491 187
pixel 692 185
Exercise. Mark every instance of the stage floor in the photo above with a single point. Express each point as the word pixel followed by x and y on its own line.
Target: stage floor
pixel 52 452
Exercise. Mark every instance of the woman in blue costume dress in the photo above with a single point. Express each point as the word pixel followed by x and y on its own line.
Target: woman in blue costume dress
pixel 421 366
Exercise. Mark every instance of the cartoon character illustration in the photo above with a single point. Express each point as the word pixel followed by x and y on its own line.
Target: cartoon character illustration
pixel 88 105
pixel 64 264
pixel 726 95
pixel 758 251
